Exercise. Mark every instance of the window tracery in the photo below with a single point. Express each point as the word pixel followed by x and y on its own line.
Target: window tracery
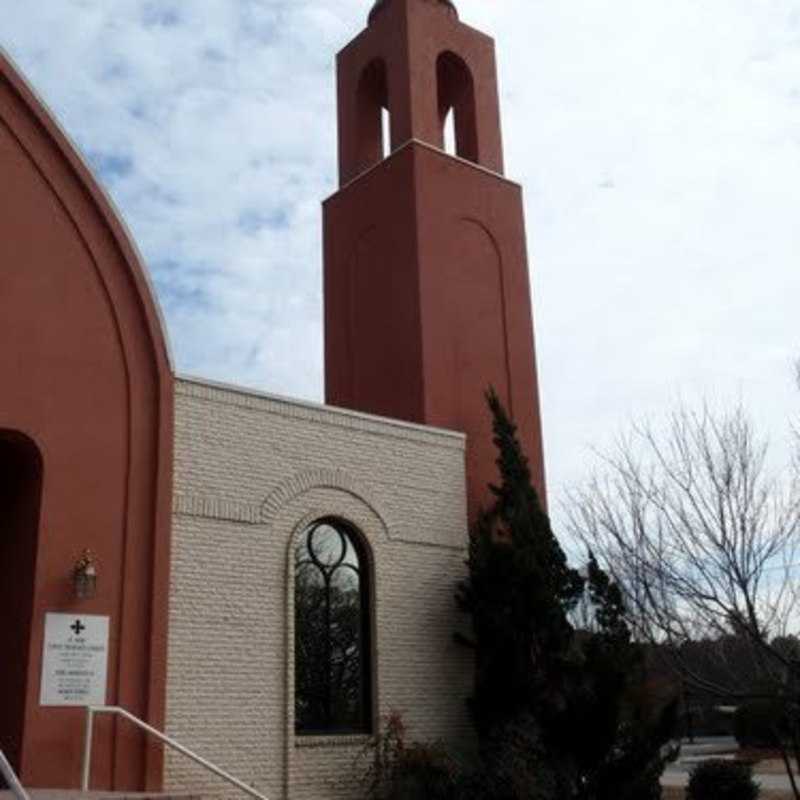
pixel 332 624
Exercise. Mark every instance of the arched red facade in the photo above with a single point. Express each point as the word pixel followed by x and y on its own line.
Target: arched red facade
pixel 86 383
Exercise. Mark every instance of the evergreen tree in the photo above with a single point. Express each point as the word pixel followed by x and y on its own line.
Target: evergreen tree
pixel 554 707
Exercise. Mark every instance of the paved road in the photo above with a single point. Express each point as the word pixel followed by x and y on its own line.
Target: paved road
pixel 677 774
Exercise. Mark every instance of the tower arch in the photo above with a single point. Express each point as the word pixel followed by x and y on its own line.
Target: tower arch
pixel 456 94
pixel 372 100
pixel 432 63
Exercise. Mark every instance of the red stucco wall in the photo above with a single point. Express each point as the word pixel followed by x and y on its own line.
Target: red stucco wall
pixel 427 294
pixel 85 375
pixel 427 303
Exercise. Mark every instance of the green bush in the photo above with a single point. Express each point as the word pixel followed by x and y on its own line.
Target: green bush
pixel 559 711
pixel 717 779
pixel 759 723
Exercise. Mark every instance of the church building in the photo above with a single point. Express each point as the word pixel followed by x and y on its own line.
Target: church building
pixel 263 579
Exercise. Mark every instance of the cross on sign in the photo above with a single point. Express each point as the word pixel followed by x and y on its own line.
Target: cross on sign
pixel 78 627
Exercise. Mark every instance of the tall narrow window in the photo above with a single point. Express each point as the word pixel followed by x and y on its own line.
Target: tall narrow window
pixel 332 669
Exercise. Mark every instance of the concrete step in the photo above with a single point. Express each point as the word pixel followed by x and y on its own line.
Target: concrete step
pixel 70 794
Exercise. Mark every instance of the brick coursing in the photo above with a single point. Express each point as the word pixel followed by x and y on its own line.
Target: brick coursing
pixel 252 471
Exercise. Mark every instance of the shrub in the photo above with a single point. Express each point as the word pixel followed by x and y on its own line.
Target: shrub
pixel 759 723
pixel 558 711
pixel 513 766
pixel 403 770
pixel 716 779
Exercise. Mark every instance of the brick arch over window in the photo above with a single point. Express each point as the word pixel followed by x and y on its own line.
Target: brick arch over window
pixel 301 482
pixel 456 93
pixel 81 334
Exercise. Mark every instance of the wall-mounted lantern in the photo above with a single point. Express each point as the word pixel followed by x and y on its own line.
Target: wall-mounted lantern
pixel 84 576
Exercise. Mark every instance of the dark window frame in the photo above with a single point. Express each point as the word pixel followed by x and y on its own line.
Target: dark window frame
pixel 350 534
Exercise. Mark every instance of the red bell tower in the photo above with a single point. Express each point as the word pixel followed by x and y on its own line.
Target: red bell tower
pixel 427 297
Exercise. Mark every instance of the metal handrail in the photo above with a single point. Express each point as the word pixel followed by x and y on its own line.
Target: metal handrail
pixel 121 712
pixel 11 778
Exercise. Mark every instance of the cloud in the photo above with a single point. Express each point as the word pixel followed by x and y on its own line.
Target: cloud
pixel 658 143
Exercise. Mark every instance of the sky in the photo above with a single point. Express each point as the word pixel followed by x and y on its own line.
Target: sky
pixel 658 144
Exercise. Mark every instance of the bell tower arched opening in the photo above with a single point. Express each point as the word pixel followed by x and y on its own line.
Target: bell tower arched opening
pixel 20 499
pixel 456 94
pixel 373 135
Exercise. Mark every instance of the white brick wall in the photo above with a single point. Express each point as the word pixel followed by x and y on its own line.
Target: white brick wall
pixel 251 472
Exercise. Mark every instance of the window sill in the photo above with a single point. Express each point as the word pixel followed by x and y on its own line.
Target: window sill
pixel 334 740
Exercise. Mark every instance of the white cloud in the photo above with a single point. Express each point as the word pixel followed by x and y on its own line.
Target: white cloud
pixel 658 143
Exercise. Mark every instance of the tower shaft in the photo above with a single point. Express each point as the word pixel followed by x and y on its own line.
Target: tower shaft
pixel 427 296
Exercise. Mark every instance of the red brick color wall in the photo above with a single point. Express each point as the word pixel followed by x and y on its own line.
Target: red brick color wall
pixel 427 295
pixel 86 378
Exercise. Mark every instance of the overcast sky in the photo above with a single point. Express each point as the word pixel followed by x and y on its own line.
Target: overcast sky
pixel 658 144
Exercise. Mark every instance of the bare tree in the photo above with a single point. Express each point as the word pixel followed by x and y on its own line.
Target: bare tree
pixel 796 426
pixel 705 541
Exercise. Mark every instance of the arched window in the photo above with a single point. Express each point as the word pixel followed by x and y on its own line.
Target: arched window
pixel 457 95
pixel 332 627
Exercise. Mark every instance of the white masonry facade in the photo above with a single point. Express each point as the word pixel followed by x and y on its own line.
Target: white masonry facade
pixel 252 471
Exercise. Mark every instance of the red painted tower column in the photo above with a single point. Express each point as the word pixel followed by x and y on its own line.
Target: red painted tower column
pixel 427 297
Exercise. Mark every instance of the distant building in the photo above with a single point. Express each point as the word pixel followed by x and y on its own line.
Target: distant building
pixel 262 578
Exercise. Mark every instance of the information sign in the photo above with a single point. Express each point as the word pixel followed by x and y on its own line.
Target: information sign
pixel 75 660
